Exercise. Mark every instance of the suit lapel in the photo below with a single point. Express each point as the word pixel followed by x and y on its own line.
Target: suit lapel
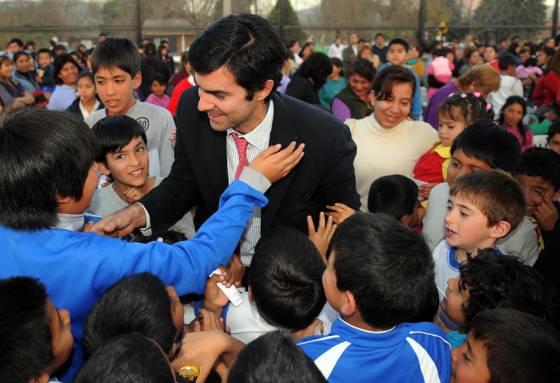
pixel 283 132
pixel 215 160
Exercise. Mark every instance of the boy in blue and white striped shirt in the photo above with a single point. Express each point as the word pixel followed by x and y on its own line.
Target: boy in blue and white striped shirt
pixel 380 278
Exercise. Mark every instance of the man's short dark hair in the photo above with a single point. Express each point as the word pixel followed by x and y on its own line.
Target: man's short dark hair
pixel 247 45
pixel 496 280
pixel 139 303
pixel 506 60
pixel 541 162
pixel 379 34
pixel 286 279
pixel 317 67
pixel 489 143
pixel 394 195
pixel 399 41
pixel 17 41
pixel 115 132
pixel 44 154
pixel 274 357
pixel 387 267
pixel 116 52
pixel 127 358
pixel 519 347
pixel 25 335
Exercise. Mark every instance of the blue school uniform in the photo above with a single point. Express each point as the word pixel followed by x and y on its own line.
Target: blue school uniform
pixel 78 267
pixel 409 352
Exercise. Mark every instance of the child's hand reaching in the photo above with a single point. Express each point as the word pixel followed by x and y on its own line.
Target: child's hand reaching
pixel 323 235
pixel 235 271
pixel 208 321
pixel 547 215
pixel 340 212
pixel 214 298
pixel 275 164
pixel 173 136
pixel 424 190
pixel 133 194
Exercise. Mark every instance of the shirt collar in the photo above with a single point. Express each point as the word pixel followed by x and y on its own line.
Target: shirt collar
pixel 260 136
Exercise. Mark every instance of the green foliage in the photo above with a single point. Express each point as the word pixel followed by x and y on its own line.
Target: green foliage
pixel 290 18
pixel 510 13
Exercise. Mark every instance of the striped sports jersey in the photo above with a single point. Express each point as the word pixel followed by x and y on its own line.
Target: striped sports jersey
pixel 409 352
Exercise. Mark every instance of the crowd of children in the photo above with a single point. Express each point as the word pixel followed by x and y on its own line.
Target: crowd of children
pixel 448 274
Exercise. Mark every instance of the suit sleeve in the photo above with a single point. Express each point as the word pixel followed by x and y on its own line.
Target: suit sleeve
pixel 178 192
pixel 338 184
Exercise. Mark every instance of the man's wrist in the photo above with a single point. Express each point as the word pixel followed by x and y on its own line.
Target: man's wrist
pixel 140 216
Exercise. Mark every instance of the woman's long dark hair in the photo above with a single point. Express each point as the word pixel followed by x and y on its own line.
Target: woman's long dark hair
pixel 520 127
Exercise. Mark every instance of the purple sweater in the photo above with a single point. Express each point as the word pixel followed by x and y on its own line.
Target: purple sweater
pixel 436 100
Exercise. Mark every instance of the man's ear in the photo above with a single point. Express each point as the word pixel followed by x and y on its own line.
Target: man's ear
pixel 137 80
pixel 500 230
pixel 103 168
pixel 349 305
pixel 262 94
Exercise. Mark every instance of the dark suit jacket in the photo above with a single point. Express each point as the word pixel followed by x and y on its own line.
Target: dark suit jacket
pixel 198 176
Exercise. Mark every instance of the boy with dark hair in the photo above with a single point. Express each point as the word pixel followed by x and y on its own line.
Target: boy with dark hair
pixel 47 168
pixel 509 84
pixel 394 195
pixel 273 358
pixel 45 70
pixel 122 156
pixel 506 346
pixel 379 276
pixel 493 280
pixel 483 146
pixel 483 207
pixel 539 174
pixel 35 337
pixel 116 66
pixel 397 54
pixel 285 289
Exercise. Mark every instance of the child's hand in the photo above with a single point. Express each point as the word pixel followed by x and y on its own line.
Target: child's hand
pixel 214 298
pixel 209 321
pixel 173 136
pixel 547 215
pixel 323 235
pixel 339 212
pixel 424 190
pixel 275 164
pixel 235 271
pixel 133 194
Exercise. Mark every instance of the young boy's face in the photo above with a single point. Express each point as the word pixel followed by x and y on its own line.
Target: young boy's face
pixel 456 297
pixel 537 191
pixel 70 205
pixel 129 165
pixel 462 164
pixel 466 226
pixel 116 88
pixel 397 55
pixel 62 339
pixel 333 294
pixel 554 143
pixel 471 362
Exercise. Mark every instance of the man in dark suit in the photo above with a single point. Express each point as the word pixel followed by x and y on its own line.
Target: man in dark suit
pixel 232 116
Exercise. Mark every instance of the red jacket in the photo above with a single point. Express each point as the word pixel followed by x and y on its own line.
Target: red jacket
pixel 546 89
pixel 182 86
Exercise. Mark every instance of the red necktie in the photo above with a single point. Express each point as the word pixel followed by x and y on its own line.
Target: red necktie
pixel 241 144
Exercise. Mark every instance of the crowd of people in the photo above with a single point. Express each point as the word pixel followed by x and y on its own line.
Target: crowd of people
pixel 280 211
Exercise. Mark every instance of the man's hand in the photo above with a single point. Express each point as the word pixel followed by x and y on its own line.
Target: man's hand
pixel 323 235
pixel 547 215
pixel 275 164
pixel 339 212
pixel 122 223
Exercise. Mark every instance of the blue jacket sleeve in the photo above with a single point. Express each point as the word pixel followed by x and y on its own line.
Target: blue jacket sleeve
pixel 417 101
pixel 186 265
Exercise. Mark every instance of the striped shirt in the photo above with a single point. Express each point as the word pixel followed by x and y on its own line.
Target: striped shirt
pixel 409 352
pixel 258 140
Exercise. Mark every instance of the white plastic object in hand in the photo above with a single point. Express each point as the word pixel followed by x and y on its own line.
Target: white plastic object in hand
pixel 231 292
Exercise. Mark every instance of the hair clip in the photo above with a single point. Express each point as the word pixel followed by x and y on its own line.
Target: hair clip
pixel 451 94
pixel 477 94
pixel 463 95
pixel 488 106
